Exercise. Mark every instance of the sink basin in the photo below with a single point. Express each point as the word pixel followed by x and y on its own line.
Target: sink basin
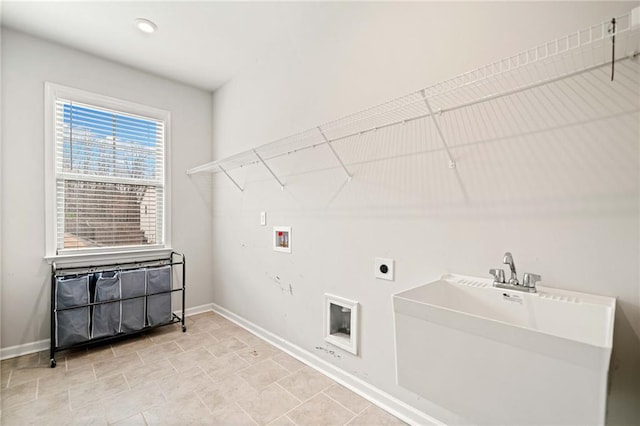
pixel 496 356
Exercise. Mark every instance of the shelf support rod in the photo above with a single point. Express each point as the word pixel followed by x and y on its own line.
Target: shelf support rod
pixel 328 142
pixel 230 178
pixel 452 163
pixel 202 168
pixel 269 168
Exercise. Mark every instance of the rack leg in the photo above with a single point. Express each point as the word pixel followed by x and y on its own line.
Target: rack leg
pixel 184 284
pixel 52 345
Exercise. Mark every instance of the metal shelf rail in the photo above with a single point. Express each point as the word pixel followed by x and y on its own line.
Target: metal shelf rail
pixel 89 271
pixel 586 54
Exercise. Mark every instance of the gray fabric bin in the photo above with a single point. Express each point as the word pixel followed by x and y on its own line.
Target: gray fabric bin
pixel 133 283
pixel 72 326
pixel 158 306
pixel 106 317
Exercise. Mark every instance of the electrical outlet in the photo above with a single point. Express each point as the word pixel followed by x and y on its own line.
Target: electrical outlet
pixel 263 218
pixel 384 269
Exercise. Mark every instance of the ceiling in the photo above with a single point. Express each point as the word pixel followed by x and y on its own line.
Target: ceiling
pixel 207 43
pixel 203 44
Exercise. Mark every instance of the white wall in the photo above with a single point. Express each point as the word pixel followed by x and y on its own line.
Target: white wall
pixel 556 187
pixel 28 62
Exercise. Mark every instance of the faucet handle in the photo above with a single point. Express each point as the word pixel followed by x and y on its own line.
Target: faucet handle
pixel 530 280
pixel 498 275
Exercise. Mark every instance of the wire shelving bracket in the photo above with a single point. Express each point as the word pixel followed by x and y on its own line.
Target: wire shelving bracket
pixel 452 162
pixel 269 169
pixel 232 179
pixel 328 142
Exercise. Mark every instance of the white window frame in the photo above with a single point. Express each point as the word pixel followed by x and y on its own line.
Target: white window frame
pixel 54 91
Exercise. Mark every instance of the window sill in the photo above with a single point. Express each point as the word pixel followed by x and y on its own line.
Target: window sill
pixel 85 259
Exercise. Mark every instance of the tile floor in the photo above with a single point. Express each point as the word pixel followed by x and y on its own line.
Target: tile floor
pixel 216 373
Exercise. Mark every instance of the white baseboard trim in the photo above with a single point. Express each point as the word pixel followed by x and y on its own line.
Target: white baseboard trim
pixel 380 398
pixel 208 307
pixel 25 349
pixel 42 345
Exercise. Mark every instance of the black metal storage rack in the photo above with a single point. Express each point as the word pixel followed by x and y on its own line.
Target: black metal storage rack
pixel 90 305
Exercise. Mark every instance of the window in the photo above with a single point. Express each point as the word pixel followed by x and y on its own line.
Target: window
pixel 107 177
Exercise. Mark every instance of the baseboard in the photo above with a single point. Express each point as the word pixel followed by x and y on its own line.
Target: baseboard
pixel 42 345
pixel 382 399
pixel 25 349
pixel 208 307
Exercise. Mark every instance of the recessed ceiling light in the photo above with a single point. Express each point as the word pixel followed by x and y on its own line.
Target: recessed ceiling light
pixel 146 26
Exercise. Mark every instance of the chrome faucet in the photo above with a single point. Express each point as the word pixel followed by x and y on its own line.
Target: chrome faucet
pixel 529 280
pixel 508 260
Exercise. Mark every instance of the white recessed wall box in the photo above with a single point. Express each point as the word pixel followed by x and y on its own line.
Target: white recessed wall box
pixel 341 322
pixel 282 239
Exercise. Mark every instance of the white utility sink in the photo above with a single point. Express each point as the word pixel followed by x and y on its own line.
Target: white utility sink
pixel 496 356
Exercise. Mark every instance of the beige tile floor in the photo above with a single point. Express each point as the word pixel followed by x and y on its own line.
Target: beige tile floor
pixel 216 373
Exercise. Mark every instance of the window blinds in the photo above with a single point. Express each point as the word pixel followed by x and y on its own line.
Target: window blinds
pixel 109 178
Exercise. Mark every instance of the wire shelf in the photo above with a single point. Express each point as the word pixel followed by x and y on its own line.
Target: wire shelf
pixel 585 53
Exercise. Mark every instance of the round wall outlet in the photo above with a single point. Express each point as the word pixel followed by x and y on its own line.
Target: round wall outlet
pixel 384 269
